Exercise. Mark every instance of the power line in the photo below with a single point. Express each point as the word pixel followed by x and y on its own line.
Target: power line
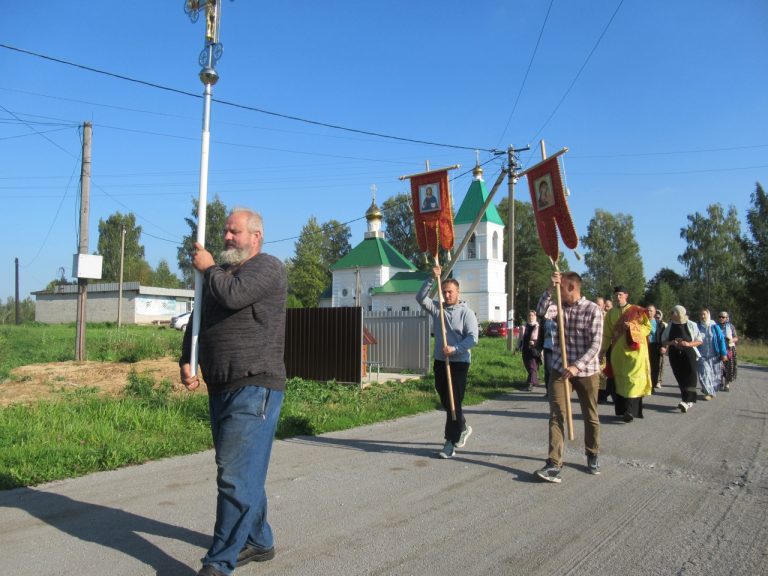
pixel 393 207
pixel 55 217
pixel 240 106
pixel 670 173
pixel 530 64
pixel 575 78
pixel 668 152
pixel 41 134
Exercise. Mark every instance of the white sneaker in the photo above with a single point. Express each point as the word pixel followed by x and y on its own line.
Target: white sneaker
pixel 447 451
pixel 683 406
pixel 464 435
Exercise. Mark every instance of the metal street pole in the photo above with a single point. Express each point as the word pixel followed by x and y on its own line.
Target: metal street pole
pixel 208 76
pixel 512 177
pixel 511 249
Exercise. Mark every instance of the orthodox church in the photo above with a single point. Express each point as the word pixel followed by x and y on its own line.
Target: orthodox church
pixel 375 276
pixel 480 268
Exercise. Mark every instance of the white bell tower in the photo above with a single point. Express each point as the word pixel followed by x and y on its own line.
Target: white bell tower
pixel 480 268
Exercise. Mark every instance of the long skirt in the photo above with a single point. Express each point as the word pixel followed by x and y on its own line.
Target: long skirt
pixel 531 359
pixel 729 367
pixel 710 374
pixel 630 408
pixel 683 362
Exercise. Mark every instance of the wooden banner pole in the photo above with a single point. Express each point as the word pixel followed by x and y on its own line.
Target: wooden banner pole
pixel 561 330
pixel 442 327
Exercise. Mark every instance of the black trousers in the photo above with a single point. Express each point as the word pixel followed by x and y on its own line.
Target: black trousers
pixel 628 406
pixel 459 370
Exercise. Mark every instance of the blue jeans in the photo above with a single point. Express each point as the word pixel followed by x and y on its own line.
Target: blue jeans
pixel 243 424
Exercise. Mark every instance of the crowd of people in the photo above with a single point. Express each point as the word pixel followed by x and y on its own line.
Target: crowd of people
pixel 610 352
pixel 624 353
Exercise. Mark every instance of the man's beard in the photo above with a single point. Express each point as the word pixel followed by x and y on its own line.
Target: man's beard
pixel 233 255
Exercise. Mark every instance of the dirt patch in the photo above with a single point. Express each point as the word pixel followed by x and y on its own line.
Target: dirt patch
pixel 42 381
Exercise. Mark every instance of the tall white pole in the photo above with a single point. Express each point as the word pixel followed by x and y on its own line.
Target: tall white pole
pixel 208 76
pixel 202 210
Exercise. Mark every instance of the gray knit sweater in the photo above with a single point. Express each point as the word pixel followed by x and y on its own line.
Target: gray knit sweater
pixel 460 325
pixel 242 325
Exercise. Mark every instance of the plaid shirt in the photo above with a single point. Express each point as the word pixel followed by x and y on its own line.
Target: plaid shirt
pixel 583 322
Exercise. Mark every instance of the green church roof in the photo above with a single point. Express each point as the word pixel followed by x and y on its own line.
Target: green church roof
pixel 403 282
pixel 473 202
pixel 373 252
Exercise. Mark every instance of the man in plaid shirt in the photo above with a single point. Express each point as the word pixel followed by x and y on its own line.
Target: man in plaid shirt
pixel 583 322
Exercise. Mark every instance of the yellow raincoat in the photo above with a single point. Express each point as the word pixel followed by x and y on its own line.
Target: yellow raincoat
pixel 625 332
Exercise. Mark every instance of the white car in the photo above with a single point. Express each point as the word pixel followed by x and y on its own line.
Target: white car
pixel 180 322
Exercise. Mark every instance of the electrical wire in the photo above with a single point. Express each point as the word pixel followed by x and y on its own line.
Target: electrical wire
pixel 528 70
pixel 575 78
pixel 240 106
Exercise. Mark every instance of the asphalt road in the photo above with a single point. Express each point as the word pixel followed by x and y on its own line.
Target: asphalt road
pixel 678 494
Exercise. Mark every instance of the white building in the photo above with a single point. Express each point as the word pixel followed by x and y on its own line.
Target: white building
pixel 480 268
pixel 140 304
pixel 374 275
pixel 377 277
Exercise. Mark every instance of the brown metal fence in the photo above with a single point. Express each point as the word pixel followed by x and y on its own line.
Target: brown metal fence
pixel 324 344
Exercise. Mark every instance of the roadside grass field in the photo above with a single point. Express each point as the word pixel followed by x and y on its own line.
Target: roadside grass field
pixel 76 433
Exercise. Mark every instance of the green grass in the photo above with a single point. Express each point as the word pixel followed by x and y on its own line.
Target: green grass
pixel 754 351
pixel 80 432
pixel 83 432
pixel 38 343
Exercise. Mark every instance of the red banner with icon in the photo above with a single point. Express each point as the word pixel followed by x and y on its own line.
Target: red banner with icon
pixel 550 207
pixel 431 201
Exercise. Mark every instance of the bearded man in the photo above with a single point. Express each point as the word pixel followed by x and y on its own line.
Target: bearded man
pixel 241 342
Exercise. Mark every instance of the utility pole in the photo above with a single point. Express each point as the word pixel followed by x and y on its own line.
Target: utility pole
pixel 512 177
pixel 82 283
pixel 18 308
pixel 120 287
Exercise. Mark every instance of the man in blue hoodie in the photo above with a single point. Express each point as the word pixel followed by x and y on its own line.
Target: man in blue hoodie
pixel 460 335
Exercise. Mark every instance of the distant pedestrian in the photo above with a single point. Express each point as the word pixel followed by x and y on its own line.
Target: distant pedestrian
pixel 529 347
pixel 730 365
pixel 713 354
pixel 547 337
pixel 681 338
pixel 657 354
pixel 583 323
pixel 454 352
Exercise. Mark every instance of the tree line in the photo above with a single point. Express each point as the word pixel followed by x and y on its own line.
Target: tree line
pixel 725 267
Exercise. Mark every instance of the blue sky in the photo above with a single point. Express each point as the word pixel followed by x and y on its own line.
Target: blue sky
pixel 661 104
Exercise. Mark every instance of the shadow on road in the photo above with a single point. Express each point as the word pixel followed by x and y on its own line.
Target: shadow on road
pixel 420 450
pixel 108 527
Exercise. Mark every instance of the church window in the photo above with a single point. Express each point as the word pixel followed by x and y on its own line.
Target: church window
pixel 472 248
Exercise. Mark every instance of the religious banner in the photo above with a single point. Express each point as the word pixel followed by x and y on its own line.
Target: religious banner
pixel 432 211
pixel 550 207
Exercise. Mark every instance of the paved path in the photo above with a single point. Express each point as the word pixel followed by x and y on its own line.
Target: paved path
pixel 679 494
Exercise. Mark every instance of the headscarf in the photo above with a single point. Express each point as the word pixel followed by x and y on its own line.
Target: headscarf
pixel 679 313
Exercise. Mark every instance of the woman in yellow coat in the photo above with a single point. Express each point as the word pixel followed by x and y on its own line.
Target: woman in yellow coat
pixel 625 333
